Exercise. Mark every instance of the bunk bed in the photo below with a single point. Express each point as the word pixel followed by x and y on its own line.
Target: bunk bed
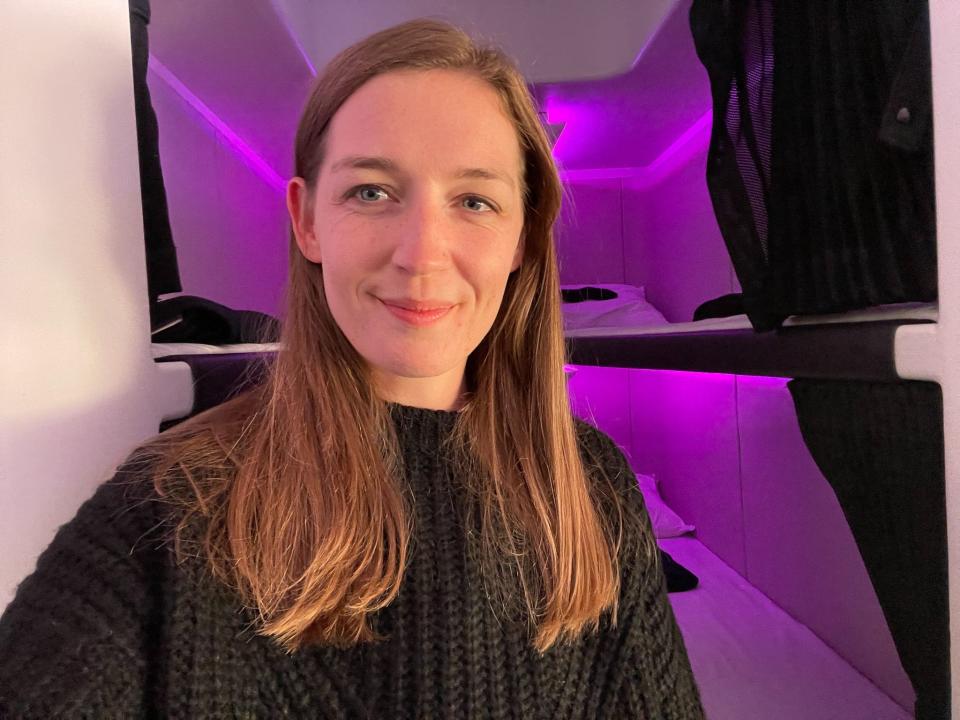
pixel 873 345
pixel 860 344
pixel 887 348
pixel 880 345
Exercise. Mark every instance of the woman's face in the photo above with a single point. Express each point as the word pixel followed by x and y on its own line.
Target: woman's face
pixel 416 219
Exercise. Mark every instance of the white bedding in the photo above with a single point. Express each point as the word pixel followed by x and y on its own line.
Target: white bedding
pixel 630 308
pixel 752 661
pixel 632 314
pixel 161 350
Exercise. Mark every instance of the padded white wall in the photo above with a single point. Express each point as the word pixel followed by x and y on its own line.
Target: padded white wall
pixel 78 388
pixel 672 244
pixel 945 55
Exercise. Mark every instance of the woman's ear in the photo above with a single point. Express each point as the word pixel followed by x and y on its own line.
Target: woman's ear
pixel 301 218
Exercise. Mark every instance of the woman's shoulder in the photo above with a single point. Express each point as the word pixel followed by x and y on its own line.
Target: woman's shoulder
pixel 117 538
pixel 120 531
pixel 127 505
pixel 77 627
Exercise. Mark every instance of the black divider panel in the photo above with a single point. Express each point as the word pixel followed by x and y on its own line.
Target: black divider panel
pixel 880 445
pixel 163 272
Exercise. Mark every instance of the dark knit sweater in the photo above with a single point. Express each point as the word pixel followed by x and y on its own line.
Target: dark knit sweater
pixel 110 625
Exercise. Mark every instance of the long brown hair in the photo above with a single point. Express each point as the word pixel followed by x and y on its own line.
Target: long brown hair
pixel 297 481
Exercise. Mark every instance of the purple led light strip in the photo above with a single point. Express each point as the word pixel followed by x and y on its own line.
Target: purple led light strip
pixel 246 154
pixel 680 151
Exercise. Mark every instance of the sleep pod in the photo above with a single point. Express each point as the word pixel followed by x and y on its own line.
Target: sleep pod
pixel 790 440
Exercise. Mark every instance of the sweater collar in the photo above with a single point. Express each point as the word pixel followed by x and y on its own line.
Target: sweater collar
pixel 423 426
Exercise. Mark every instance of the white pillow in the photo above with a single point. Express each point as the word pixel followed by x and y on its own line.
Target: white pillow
pixel 666 523
pixel 629 309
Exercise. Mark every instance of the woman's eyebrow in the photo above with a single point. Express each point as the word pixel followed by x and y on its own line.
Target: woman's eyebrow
pixel 485 174
pixel 364 162
pixel 383 164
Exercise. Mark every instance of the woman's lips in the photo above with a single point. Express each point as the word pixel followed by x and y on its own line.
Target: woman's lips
pixel 416 314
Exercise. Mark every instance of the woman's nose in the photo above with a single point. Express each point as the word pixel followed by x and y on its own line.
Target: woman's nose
pixel 422 244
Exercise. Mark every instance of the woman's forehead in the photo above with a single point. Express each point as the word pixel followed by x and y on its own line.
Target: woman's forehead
pixel 437 118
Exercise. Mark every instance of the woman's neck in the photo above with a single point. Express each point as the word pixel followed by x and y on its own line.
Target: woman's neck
pixel 445 392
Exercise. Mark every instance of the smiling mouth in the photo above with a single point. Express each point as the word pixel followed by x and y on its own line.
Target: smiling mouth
pixel 417 314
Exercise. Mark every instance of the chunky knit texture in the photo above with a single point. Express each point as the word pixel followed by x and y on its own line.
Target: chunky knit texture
pixel 110 625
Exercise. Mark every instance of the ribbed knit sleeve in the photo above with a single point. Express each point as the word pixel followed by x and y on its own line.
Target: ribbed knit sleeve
pixel 650 674
pixel 74 641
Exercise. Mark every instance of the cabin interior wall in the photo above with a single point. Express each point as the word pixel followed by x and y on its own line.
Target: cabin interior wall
pixel 589 233
pixel 229 225
pixel 672 244
pixel 78 386
pixel 685 435
pixel 664 238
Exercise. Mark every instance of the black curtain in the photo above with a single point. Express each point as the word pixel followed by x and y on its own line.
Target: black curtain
pixel 820 161
pixel 880 445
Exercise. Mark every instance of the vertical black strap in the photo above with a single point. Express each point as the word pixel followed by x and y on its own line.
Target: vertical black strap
pixel 163 275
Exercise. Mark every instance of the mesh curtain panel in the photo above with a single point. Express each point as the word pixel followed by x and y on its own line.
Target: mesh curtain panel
pixel 880 445
pixel 820 161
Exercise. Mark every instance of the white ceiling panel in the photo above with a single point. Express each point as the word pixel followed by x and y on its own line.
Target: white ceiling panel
pixel 551 40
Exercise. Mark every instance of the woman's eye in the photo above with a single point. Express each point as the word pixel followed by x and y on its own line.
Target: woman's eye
pixel 476 204
pixel 370 193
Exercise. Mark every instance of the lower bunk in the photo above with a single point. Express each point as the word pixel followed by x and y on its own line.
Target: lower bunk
pixel 753 661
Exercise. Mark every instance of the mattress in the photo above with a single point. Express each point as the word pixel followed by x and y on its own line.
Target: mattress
pixel 752 661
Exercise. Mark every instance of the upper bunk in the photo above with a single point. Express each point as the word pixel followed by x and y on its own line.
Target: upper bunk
pixel 876 344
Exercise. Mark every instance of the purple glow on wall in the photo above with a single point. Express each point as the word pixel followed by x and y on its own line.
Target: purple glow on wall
pixel 629 120
pixel 762 382
pixel 597 391
pixel 691 393
pixel 586 123
pixel 593 388
pixel 249 157
pixel 580 122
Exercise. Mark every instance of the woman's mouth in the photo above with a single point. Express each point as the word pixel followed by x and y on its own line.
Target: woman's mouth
pixel 415 313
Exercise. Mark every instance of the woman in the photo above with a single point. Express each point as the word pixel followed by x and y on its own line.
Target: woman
pixel 403 520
